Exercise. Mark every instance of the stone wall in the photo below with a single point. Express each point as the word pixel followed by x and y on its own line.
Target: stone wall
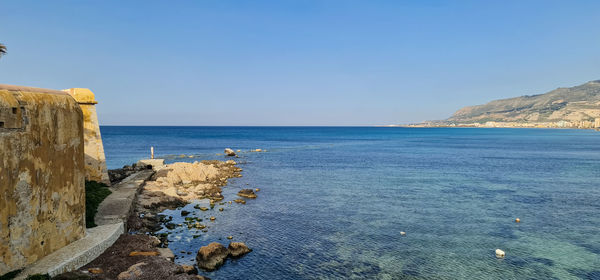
pixel 95 160
pixel 42 191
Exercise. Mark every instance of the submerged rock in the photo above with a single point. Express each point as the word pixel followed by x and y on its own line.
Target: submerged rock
pixel 211 256
pixel 238 249
pixel 239 200
pixel 248 193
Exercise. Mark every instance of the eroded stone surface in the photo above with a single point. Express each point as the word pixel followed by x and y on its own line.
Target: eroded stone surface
pixel 238 249
pixel 211 256
pixel 42 201
pixel 95 160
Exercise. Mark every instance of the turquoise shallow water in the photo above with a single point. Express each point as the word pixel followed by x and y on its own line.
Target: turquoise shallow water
pixel 333 201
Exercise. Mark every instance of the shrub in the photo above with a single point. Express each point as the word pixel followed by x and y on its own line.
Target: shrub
pixel 95 193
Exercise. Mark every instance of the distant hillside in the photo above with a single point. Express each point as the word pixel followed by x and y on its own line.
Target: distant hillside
pixel 565 105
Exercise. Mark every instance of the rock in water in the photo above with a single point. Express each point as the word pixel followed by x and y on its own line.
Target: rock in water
pixel 248 193
pixel 211 256
pixel 500 253
pixel 238 249
pixel 229 152
pixel 189 269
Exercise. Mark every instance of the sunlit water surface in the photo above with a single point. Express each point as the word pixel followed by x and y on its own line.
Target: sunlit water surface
pixel 333 201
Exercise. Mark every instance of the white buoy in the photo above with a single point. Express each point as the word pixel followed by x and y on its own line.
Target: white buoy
pixel 403 233
pixel 500 253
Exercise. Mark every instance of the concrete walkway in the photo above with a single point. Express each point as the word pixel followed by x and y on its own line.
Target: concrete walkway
pixel 78 253
pixel 111 219
pixel 118 206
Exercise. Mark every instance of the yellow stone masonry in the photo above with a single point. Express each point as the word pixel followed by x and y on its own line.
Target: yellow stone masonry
pixel 95 160
pixel 42 191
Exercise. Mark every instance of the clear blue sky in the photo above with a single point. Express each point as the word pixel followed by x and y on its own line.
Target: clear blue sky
pixel 297 62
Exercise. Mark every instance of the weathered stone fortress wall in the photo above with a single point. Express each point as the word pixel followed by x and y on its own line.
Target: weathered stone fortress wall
pixel 42 191
pixel 95 161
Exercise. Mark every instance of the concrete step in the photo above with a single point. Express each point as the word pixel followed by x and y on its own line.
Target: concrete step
pixel 78 253
pixel 111 219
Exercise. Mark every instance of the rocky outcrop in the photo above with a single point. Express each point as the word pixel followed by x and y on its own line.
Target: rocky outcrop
pixel 229 152
pixel 211 256
pixel 238 249
pixel 179 183
pixel 247 193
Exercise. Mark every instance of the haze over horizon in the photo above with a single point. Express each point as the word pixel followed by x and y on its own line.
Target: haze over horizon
pixel 297 62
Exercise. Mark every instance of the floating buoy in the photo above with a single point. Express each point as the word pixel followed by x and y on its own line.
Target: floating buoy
pixel 403 233
pixel 500 253
pixel 517 220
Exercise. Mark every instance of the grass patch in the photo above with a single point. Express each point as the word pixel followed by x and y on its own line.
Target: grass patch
pixel 95 193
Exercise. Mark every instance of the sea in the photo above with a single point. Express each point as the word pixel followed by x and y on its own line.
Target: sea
pixel 390 202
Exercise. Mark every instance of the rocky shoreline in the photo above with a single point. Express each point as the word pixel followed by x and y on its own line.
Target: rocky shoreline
pixel 143 253
pixel 176 185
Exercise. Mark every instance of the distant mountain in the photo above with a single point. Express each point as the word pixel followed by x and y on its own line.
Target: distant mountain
pixel 577 106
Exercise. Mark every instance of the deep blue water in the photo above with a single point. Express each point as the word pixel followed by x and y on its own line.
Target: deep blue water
pixel 333 201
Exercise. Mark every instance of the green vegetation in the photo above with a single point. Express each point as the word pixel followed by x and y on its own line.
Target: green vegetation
pixel 10 275
pixel 13 274
pixel 95 193
pixel 2 49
